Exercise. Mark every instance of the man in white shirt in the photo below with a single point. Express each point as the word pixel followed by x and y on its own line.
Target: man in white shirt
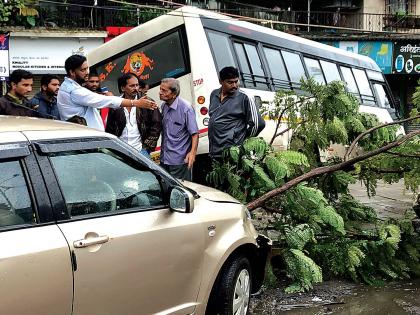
pixel 139 127
pixel 75 100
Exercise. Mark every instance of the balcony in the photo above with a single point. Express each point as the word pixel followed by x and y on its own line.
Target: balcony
pixel 67 16
pixel 71 16
pixel 333 22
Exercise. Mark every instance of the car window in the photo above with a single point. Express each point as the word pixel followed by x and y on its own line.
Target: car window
pixel 100 181
pixel 15 202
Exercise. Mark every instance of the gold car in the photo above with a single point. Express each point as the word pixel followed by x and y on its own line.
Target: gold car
pixel 88 226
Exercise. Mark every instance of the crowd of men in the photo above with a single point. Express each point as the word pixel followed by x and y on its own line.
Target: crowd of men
pixel 136 118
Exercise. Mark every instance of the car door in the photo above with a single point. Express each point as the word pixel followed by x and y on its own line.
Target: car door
pixel 35 266
pixel 133 255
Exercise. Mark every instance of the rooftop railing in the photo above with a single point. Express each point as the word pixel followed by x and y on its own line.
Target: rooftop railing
pixel 326 21
pixel 88 17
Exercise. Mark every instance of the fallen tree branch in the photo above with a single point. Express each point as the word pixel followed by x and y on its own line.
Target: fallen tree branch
pixel 416 156
pixel 360 136
pixel 326 170
pixel 387 171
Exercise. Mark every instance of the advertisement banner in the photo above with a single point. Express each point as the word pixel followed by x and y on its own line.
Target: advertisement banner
pixel 406 59
pixel 379 51
pixel 4 56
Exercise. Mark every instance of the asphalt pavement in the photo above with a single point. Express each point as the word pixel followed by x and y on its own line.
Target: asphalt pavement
pixel 391 200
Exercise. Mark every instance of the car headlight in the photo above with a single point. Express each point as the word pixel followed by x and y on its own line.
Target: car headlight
pixel 248 214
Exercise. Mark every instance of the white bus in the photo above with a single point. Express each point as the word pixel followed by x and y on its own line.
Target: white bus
pixel 192 45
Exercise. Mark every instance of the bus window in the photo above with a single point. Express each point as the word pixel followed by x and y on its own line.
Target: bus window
pixel 294 67
pixel 152 62
pixel 364 87
pixel 382 97
pixel 243 63
pixel 375 75
pixel 277 68
pixel 251 66
pixel 349 79
pixel 330 71
pixel 222 52
pixel 314 70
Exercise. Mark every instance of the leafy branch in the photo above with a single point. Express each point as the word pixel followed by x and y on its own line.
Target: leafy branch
pixel 355 141
pixel 326 170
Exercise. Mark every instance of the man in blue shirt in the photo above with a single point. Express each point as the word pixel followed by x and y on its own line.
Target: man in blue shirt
pixel 180 131
pixel 45 101
pixel 75 100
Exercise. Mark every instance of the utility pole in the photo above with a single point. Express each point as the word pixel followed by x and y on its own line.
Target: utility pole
pixel 309 14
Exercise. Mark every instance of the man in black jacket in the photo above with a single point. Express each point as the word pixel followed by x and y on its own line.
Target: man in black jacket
pixel 15 102
pixel 45 101
pixel 233 115
pixel 139 127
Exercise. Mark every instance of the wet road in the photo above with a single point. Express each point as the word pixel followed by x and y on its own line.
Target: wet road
pixel 348 298
pixel 393 299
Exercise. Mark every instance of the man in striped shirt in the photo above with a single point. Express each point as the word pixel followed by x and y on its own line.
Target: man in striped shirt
pixel 233 115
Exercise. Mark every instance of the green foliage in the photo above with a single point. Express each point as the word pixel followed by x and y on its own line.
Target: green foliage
pixel 277 169
pixel 336 132
pixel 332 218
pixel 303 271
pixel 323 231
pixel 335 184
pixel 298 236
pixel 6 10
pixel 352 210
pixel 256 148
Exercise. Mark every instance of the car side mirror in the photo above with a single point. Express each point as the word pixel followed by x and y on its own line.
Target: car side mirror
pixel 181 200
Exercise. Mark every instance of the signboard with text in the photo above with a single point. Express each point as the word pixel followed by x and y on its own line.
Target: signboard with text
pixel 4 56
pixel 379 51
pixel 47 55
pixel 406 59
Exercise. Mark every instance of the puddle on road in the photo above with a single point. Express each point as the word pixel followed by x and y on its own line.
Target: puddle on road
pixel 392 299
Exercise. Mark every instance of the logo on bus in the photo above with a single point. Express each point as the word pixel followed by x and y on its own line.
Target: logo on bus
pixel 137 64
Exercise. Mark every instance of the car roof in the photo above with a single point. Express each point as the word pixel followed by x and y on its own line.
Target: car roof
pixel 12 128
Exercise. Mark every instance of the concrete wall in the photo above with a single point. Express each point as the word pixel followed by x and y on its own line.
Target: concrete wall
pixel 374 6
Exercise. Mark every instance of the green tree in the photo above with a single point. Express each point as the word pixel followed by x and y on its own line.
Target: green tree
pixel 22 10
pixel 322 229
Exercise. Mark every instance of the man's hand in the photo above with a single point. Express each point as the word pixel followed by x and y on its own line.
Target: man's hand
pixel 145 102
pixel 190 159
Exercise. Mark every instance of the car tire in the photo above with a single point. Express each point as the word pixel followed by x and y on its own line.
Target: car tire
pixel 234 288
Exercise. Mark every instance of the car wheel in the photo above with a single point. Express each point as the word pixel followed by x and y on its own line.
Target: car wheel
pixel 235 287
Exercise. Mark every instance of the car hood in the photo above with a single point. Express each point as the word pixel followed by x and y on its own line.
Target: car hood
pixel 210 193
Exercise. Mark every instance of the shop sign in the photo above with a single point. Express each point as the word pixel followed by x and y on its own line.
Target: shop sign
pixel 380 52
pixel 4 56
pixel 406 58
pixel 47 55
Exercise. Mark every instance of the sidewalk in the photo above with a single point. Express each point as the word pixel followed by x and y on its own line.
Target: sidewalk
pixel 389 201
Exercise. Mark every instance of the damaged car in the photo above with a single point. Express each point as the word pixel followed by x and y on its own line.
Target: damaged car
pixel 89 226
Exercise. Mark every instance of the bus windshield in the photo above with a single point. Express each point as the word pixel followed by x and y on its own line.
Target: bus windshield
pixel 149 61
